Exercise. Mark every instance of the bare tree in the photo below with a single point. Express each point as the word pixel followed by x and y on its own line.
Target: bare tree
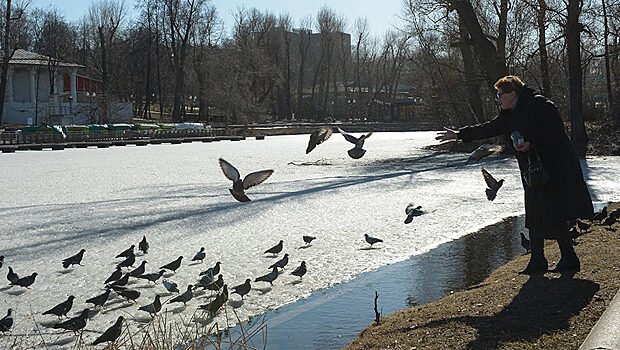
pixel 11 15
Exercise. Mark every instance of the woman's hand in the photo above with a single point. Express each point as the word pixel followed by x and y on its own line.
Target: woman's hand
pixel 524 147
pixel 446 135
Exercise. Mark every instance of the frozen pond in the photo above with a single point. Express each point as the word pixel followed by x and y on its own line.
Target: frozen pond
pixel 55 203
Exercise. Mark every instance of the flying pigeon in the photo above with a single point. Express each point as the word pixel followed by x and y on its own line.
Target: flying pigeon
pixel 111 333
pixel 270 277
pixel 100 299
pixel 371 240
pixel 239 186
pixel 144 245
pixel 174 265
pixel 317 137
pixel 129 261
pixel 308 239
pixel 525 243
pixel 12 276
pixel 138 271
pixel 170 286
pixel 117 274
pixel 74 324
pixel 152 277
pixel 213 271
pixel 153 307
pixel 275 249
pixel 6 322
pixel 73 260
pixel 200 255
pixel 492 184
pixel 127 252
pixel 300 271
pixel 243 289
pixel 412 211
pixel 185 297
pixel 356 152
pixel 62 308
pixel 25 281
pixel 483 151
pixel 280 263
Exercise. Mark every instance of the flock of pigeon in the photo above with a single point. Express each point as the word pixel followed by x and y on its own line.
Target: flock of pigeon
pixel 210 279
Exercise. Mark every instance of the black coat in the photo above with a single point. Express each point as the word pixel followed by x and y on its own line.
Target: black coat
pixel 565 196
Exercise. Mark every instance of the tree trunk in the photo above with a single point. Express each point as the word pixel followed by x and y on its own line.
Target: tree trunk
pixel 541 14
pixel 493 63
pixel 471 83
pixel 573 32
pixel 6 57
pixel 610 95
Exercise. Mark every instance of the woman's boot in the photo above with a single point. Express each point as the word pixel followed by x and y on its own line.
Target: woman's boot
pixel 569 262
pixel 538 263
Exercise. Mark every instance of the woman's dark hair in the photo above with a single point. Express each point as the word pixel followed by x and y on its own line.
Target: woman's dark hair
pixel 510 83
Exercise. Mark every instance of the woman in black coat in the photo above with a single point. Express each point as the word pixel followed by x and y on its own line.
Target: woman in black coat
pixel 562 194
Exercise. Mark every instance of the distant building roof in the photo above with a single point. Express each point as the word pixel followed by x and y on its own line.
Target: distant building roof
pixel 30 58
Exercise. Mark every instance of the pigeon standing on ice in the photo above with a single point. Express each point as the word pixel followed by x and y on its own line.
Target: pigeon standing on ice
pixel 126 253
pixel 212 271
pixel 12 276
pixel 111 333
pixel 275 249
pixel 308 239
pixel 6 322
pixel 74 324
pixel 239 186
pixel 1 260
pixel 492 184
pixel 280 263
pixel 74 260
pixel 243 289
pixel 117 274
pixel 152 277
pixel 371 240
pixel 174 265
pixel 317 137
pixel 144 245
pixel 411 210
pixel 170 286
pixel 129 261
pixel 216 303
pixel 61 309
pixel 356 152
pixel 100 299
pixel 270 277
pixel 153 307
pixel 121 281
pixel 209 283
pixel 185 297
pixel 525 243
pixel 129 294
pixel 200 255
pixel 138 271
pixel 26 281
pixel 300 271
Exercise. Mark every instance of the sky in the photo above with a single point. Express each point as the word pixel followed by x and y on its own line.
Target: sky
pixel 381 15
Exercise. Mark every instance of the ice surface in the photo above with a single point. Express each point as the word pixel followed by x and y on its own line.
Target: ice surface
pixel 52 204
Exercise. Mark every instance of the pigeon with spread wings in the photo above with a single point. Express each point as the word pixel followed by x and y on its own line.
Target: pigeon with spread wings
pixel 239 186
pixel 492 184
pixel 356 152
pixel 318 137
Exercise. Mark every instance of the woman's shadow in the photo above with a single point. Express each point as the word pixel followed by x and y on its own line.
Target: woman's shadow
pixel 542 306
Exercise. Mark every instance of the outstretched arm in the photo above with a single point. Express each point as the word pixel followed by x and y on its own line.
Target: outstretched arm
pixel 447 135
